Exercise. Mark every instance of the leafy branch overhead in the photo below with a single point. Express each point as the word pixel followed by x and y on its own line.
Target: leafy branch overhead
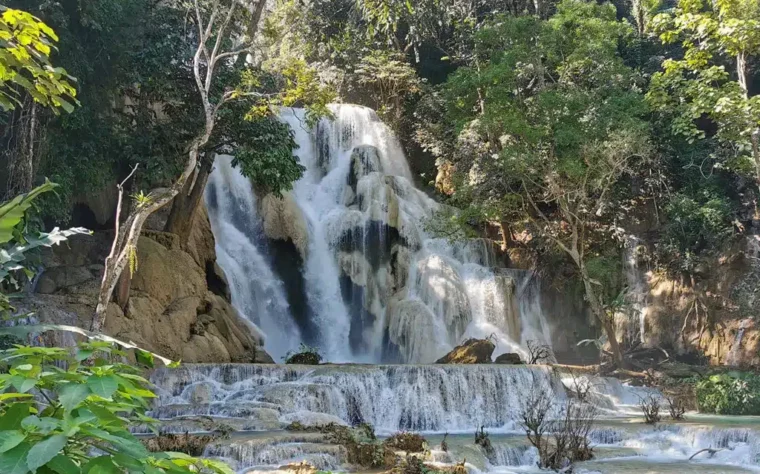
pixel 25 47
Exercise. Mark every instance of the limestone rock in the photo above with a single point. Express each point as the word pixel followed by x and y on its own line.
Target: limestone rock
pixel 201 244
pixel 508 358
pixel 62 277
pixel 472 351
pixel 170 311
pixel 283 220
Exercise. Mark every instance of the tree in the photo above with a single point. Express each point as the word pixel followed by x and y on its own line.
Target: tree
pixel 549 126
pixel 223 38
pixel 720 40
pixel 28 80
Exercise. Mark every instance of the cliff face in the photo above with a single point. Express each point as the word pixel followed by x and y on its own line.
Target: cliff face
pixel 710 317
pixel 178 305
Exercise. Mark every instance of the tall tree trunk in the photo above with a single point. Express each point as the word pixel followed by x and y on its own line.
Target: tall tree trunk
pixel 598 309
pixel 185 206
pixel 22 148
pixel 742 73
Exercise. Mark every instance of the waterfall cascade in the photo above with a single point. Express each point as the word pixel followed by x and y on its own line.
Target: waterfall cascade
pixel 260 400
pixel 343 262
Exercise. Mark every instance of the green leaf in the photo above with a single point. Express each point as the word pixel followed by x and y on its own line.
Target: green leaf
pixel 13 417
pixel 12 212
pixel 23 385
pixel 72 395
pixel 144 358
pixel 10 439
pixel 102 385
pixel 14 461
pixel 44 451
pixel 63 465
pixel 101 465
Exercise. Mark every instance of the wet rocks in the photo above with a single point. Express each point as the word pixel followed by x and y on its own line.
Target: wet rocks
pixel 472 351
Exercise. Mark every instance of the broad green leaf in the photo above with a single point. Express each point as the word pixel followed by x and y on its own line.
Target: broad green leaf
pixel 14 460
pixel 72 395
pixel 13 417
pixel 102 385
pixel 101 465
pixel 42 452
pixel 63 465
pixel 145 358
pixel 23 384
pixel 10 439
pixel 12 212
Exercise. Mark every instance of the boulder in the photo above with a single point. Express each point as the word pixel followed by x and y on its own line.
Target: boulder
pixel 472 351
pixel 283 220
pixel 508 358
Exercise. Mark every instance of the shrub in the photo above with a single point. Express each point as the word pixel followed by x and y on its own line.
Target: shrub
pixel 733 393
pixel 560 441
pixel 306 355
pixel 677 407
pixel 70 412
pixel 650 407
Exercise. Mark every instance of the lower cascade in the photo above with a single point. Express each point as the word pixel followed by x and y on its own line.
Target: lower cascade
pixel 343 262
pixel 261 404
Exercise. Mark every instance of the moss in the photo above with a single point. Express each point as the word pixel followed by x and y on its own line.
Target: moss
pixel 409 442
pixel 190 444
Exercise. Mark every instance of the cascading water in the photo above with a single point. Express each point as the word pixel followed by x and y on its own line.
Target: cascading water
pixel 368 284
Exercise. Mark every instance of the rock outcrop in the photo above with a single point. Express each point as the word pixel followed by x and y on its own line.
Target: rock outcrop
pixel 508 358
pixel 472 351
pixel 282 219
pixel 178 304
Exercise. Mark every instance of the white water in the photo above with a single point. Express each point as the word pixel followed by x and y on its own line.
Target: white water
pixel 377 287
pixel 434 400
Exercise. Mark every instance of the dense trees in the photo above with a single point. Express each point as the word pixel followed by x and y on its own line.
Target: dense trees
pixel 566 122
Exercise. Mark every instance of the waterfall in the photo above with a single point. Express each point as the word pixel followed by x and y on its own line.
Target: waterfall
pixel 343 261
pixel 391 398
pixel 638 290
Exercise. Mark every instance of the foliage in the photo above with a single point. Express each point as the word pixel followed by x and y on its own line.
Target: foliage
pixel 25 47
pixel 16 242
pixel 262 148
pixel 551 125
pixel 62 412
pixel 694 224
pixel 700 84
pixel 305 355
pixel 732 393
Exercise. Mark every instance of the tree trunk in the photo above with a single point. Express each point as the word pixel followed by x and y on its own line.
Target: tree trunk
pixel 185 206
pixel 601 315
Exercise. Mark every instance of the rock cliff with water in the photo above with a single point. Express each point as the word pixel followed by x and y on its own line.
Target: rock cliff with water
pixel 177 305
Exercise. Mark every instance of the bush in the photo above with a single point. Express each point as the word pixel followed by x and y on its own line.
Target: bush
pixel 733 393
pixel 306 356
pixel 563 440
pixel 63 412
pixel 650 407
pixel 677 407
